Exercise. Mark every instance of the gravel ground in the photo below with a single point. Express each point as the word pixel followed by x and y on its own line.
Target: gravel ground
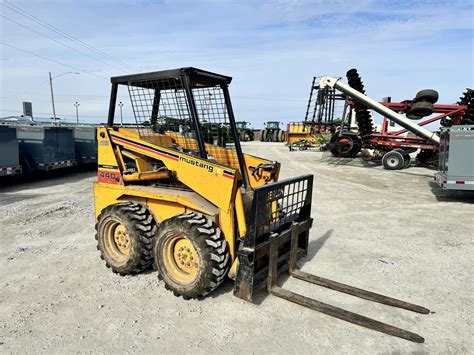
pixel 390 232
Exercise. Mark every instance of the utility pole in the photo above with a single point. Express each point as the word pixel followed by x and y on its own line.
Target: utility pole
pixel 51 87
pixel 121 116
pixel 52 95
pixel 77 111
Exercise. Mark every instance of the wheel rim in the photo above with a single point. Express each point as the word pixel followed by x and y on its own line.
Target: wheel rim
pixel 347 147
pixel 181 259
pixel 393 162
pixel 117 241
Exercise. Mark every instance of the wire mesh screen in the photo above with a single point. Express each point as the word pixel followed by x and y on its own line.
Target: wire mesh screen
pixel 162 109
pixel 282 203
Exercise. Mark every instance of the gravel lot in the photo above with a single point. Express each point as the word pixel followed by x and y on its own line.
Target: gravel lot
pixel 390 232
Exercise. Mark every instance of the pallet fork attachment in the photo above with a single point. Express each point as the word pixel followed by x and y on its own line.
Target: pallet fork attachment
pixel 263 258
pixel 333 285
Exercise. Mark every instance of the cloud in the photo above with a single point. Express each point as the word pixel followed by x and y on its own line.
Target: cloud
pixel 271 48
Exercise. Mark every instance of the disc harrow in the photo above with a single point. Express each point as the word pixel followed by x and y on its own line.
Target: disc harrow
pixel 468 100
pixel 363 119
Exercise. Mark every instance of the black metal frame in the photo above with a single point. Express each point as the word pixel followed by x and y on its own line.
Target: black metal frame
pixel 320 110
pixel 189 78
pixel 254 252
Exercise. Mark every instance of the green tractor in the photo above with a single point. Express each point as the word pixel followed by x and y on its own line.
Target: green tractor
pixel 216 133
pixel 272 132
pixel 244 131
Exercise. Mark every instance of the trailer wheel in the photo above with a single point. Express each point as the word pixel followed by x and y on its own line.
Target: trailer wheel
pixel 190 255
pixel 427 95
pixel 406 162
pixel 412 116
pixel 406 157
pixel 125 232
pixel 422 108
pixel 393 160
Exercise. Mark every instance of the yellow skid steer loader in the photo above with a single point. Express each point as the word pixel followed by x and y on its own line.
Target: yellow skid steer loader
pixel 173 193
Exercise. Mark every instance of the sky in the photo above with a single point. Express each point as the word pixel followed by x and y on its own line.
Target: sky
pixel 272 49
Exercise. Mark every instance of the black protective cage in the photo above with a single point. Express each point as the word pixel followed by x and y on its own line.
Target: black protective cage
pixel 192 102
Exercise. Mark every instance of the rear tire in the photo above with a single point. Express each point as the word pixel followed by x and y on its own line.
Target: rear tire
pixel 276 135
pixel 191 255
pixel 125 232
pixel 263 135
pixel 393 160
pixel 282 136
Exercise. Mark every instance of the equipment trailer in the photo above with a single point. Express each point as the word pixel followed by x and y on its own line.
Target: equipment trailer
pixel 456 158
pixel 199 212
pixel 9 159
pixel 394 147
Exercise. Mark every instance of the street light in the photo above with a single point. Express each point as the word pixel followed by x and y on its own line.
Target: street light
pixel 77 111
pixel 51 87
pixel 121 117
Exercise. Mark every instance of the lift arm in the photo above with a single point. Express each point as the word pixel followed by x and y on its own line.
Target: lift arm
pixel 328 81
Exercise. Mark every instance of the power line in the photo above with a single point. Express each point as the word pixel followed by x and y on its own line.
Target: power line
pixel 63 44
pixel 55 29
pixel 52 60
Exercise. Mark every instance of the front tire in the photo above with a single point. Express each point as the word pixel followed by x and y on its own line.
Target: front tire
pixel 125 233
pixel 190 255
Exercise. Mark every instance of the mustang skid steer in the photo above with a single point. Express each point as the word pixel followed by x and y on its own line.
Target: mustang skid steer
pixel 197 211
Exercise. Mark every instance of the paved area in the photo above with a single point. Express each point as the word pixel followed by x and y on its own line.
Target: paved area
pixel 390 232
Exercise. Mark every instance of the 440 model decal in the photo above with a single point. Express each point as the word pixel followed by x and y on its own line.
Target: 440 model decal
pixel 109 177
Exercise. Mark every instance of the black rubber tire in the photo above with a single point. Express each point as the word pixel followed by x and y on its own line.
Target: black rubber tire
pixel 406 161
pixel 141 228
pixel 412 116
pixel 251 135
pixel 282 135
pixel 263 134
pixel 347 153
pixel 210 246
pixel 422 108
pixel 393 160
pixel 276 135
pixel 428 95
pixel 245 136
